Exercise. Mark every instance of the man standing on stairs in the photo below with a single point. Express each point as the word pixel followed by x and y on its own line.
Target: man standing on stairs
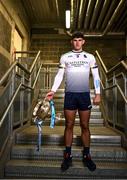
pixel 76 66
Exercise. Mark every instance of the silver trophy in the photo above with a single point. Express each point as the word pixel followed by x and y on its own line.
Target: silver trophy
pixel 42 110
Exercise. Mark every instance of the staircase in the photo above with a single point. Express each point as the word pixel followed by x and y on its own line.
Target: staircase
pixel 106 150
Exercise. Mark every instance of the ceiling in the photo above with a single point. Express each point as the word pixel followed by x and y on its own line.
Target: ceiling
pixel 94 17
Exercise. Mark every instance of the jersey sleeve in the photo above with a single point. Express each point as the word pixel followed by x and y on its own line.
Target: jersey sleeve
pixel 59 76
pixel 95 73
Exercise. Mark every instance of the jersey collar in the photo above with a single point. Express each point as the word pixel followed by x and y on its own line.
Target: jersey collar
pixel 77 51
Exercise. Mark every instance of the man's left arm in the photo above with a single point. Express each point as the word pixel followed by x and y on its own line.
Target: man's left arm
pixel 96 78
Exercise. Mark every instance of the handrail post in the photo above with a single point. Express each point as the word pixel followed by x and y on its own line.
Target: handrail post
pixel 114 101
pixel 105 95
pixel 49 81
pixel 47 77
pixel 11 112
pixel 29 97
pixel 22 101
pixel 125 127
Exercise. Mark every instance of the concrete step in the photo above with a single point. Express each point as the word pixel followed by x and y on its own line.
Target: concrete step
pixel 51 169
pixel 95 118
pixel 99 136
pixel 61 122
pixel 50 152
pixel 93 113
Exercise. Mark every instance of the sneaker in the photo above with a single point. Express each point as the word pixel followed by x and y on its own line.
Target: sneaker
pixel 67 162
pixel 89 163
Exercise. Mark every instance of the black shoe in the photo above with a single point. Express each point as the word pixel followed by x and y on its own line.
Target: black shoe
pixel 67 162
pixel 89 163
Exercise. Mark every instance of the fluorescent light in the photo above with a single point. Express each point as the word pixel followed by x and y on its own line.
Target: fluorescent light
pixel 67 19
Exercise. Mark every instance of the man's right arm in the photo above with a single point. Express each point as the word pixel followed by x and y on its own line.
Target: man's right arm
pixel 57 81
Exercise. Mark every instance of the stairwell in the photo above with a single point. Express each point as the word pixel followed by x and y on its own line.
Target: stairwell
pixel 106 150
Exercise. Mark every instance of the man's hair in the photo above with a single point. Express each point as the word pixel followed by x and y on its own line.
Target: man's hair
pixel 78 34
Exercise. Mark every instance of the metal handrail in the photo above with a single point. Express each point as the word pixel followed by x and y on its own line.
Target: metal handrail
pixel 16 63
pixel 117 66
pixel 37 77
pixel 18 86
pixel 10 104
pixel 118 87
pixel 121 92
pixel 12 100
pixel 102 64
pixel 34 62
pixel 111 87
pixel 113 68
pixel 124 64
pixel 7 73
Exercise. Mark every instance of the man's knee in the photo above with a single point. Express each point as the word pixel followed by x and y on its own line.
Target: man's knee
pixel 69 124
pixel 84 126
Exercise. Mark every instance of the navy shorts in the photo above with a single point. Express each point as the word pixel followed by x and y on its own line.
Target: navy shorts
pixel 80 101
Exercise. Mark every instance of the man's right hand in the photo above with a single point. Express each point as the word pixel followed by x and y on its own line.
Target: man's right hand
pixel 50 95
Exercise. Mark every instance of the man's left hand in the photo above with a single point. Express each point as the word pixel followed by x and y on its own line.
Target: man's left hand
pixel 97 99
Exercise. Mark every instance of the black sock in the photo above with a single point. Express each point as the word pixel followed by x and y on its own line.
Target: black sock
pixel 86 151
pixel 68 149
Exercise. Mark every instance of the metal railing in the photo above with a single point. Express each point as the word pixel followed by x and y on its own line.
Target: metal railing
pixel 19 88
pixel 114 93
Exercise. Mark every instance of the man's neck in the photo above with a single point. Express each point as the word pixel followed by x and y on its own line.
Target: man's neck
pixel 77 51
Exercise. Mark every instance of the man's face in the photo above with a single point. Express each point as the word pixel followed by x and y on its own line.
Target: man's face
pixel 77 43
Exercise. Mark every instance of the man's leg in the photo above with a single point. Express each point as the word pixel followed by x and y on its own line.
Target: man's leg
pixel 85 135
pixel 69 125
pixel 68 137
pixel 84 123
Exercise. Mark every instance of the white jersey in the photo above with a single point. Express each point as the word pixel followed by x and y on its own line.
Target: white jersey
pixel 76 67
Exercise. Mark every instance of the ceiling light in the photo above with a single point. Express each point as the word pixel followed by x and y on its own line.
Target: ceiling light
pixel 67 19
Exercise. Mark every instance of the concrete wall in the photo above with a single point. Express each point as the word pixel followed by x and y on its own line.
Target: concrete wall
pixel 52 46
pixel 10 18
